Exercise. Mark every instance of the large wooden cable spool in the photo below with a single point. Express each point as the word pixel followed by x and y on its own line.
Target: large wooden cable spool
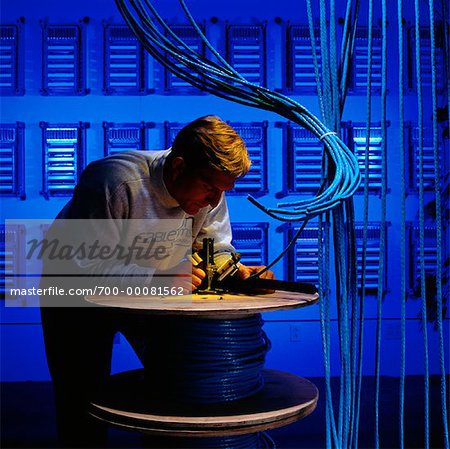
pixel 128 403
pixel 207 306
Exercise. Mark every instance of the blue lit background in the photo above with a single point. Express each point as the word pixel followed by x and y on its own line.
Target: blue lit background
pixel 109 96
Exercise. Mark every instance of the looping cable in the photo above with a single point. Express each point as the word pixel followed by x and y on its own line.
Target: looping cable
pixel 219 78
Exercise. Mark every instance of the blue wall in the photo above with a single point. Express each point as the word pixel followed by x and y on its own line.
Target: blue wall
pixel 295 334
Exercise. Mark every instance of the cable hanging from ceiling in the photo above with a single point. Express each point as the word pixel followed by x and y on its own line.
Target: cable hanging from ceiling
pixel 221 79
pixel 340 171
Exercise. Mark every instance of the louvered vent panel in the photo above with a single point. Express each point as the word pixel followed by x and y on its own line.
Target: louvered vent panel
pixel 255 137
pixel 372 256
pixel 64 158
pixel 428 175
pixel 125 63
pixel 300 61
pixel 10 61
pixel 359 136
pixel 171 130
pixel 12 179
pixel 360 61
pixel 123 137
pixel 425 59
pixel 430 256
pixel 246 51
pixel 305 160
pixel 303 261
pixel 11 257
pixel 250 240
pixel 63 71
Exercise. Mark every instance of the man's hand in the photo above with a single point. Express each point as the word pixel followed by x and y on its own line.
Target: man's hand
pixel 246 271
pixel 189 284
pixel 197 277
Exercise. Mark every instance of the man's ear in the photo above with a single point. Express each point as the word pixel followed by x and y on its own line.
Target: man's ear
pixel 177 166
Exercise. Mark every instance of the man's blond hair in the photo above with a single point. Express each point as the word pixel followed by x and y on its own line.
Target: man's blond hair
pixel 209 141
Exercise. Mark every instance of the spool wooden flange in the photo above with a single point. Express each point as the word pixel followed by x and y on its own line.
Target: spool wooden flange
pixel 128 402
pixel 207 306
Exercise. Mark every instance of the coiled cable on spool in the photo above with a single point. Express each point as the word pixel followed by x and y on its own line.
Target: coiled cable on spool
pixel 248 441
pixel 207 360
pixel 259 440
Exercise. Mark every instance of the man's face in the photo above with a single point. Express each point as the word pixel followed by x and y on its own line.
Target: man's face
pixel 197 188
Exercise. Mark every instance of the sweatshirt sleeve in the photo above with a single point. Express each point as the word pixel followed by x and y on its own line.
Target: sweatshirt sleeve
pixel 97 216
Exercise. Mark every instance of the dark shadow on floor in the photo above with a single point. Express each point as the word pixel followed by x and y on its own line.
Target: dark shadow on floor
pixel 27 417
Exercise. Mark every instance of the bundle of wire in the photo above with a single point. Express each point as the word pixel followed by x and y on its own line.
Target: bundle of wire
pixel 253 440
pixel 249 441
pixel 208 361
pixel 221 79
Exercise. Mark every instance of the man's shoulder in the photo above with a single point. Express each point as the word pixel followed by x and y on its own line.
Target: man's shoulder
pixel 120 167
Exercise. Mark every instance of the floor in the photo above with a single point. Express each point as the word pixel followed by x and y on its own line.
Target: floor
pixel 27 417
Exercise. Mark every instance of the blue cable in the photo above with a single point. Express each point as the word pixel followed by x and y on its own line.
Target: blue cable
pixel 266 441
pixel 323 260
pixel 422 221
pixel 380 289
pixel 351 19
pixel 346 399
pixel 403 229
pixel 437 189
pixel 346 263
pixel 326 277
pixel 324 328
pixel 335 124
pixel 208 44
pixel 343 318
pixel 365 224
pixel 446 20
pixel 328 118
pixel 353 296
pixel 212 360
pixel 247 441
pixel 315 58
pixel 343 67
pixel 324 48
